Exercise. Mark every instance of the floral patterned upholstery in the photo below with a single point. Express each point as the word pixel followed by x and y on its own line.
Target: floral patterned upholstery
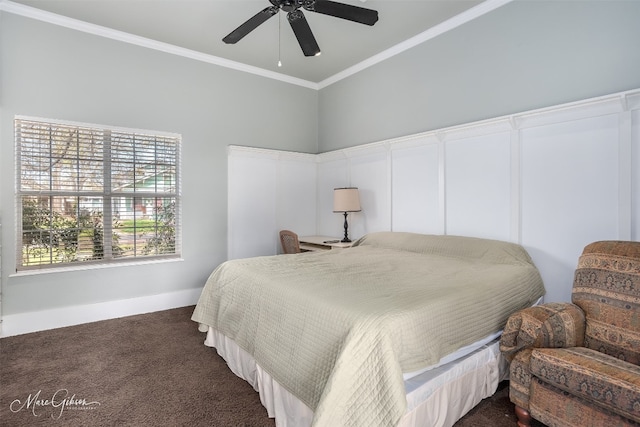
pixel 607 382
pixel 607 289
pixel 577 364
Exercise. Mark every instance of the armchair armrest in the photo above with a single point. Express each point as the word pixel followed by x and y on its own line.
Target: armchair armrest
pixel 551 325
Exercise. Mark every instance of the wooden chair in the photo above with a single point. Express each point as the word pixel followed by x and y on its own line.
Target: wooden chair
pixel 289 241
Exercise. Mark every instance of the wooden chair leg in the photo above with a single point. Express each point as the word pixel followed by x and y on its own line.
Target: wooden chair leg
pixel 524 417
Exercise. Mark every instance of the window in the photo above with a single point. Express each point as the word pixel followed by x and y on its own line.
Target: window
pixel 89 194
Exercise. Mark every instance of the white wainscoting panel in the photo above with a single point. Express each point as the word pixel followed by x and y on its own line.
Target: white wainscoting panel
pixel 252 206
pixel 296 187
pixel 333 172
pixel 569 194
pixel 478 185
pixel 268 190
pixel 370 172
pixel 415 180
pixel 553 180
pixel 635 175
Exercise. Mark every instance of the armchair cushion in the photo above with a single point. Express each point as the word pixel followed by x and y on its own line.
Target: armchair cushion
pixel 551 325
pixel 595 377
pixel 561 409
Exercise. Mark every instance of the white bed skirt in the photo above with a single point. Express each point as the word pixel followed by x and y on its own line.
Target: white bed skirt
pixel 435 398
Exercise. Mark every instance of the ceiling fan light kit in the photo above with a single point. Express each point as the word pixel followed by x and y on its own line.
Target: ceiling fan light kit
pixel 298 21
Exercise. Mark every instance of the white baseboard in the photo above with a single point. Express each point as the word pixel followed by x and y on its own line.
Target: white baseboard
pixel 23 323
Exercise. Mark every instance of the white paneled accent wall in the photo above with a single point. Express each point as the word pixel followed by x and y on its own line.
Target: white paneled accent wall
pixel 635 172
pixel 477 192
pixel 333 172
pixel 370 172
pixel 552 180
pixel 268 191
pixel 415 164
pixel 570 193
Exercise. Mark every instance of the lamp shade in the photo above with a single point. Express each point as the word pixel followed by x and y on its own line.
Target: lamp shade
pixel 346 199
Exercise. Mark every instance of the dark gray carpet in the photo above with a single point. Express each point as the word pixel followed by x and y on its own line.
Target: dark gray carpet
pixel 145 370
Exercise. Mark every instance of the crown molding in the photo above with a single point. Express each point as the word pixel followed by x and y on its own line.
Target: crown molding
pixel 75 24
pixel 98 30
pixel 448 25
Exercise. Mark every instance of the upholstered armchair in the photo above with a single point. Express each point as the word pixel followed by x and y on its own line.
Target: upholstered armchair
pixel 577 364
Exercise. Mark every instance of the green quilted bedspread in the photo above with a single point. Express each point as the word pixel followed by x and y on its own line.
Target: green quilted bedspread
pixel 337 328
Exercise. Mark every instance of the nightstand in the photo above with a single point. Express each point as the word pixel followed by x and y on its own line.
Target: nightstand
pixel 320 243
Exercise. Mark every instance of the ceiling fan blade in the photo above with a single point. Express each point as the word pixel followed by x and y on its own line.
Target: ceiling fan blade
pixel 344 11
pixel 303 33
pixel 250 25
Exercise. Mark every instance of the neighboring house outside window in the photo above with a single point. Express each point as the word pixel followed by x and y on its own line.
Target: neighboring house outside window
pixel 94 194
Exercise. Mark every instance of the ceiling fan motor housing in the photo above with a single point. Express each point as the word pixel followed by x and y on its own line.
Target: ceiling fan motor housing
pixel 291 5
pixel 288 6
pixel 298 22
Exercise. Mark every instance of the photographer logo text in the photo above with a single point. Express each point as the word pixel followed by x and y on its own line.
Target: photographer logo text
pixel 55 405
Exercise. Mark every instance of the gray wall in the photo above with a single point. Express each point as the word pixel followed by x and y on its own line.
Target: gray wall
pixel 52 72
pixel 522 56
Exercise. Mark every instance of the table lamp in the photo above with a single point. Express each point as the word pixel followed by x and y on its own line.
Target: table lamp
pixel 346 200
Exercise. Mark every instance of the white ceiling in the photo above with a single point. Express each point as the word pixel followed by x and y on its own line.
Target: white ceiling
pixel 200 25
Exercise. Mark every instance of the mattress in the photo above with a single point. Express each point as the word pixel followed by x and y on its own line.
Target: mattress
pixel 437 397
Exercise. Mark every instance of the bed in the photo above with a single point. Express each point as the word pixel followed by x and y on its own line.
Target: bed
pixel 398 330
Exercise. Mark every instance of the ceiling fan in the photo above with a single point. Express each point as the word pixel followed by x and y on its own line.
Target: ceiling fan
pixel 299 23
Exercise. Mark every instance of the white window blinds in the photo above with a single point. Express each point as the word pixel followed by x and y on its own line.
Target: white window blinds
pixel 89 194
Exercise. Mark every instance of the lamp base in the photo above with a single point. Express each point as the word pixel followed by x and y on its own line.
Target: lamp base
pixel 346 229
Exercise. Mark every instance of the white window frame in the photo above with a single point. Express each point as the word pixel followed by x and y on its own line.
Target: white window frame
pixel 107 195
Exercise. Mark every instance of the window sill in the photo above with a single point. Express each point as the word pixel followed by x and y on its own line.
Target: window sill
pixel 92 267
